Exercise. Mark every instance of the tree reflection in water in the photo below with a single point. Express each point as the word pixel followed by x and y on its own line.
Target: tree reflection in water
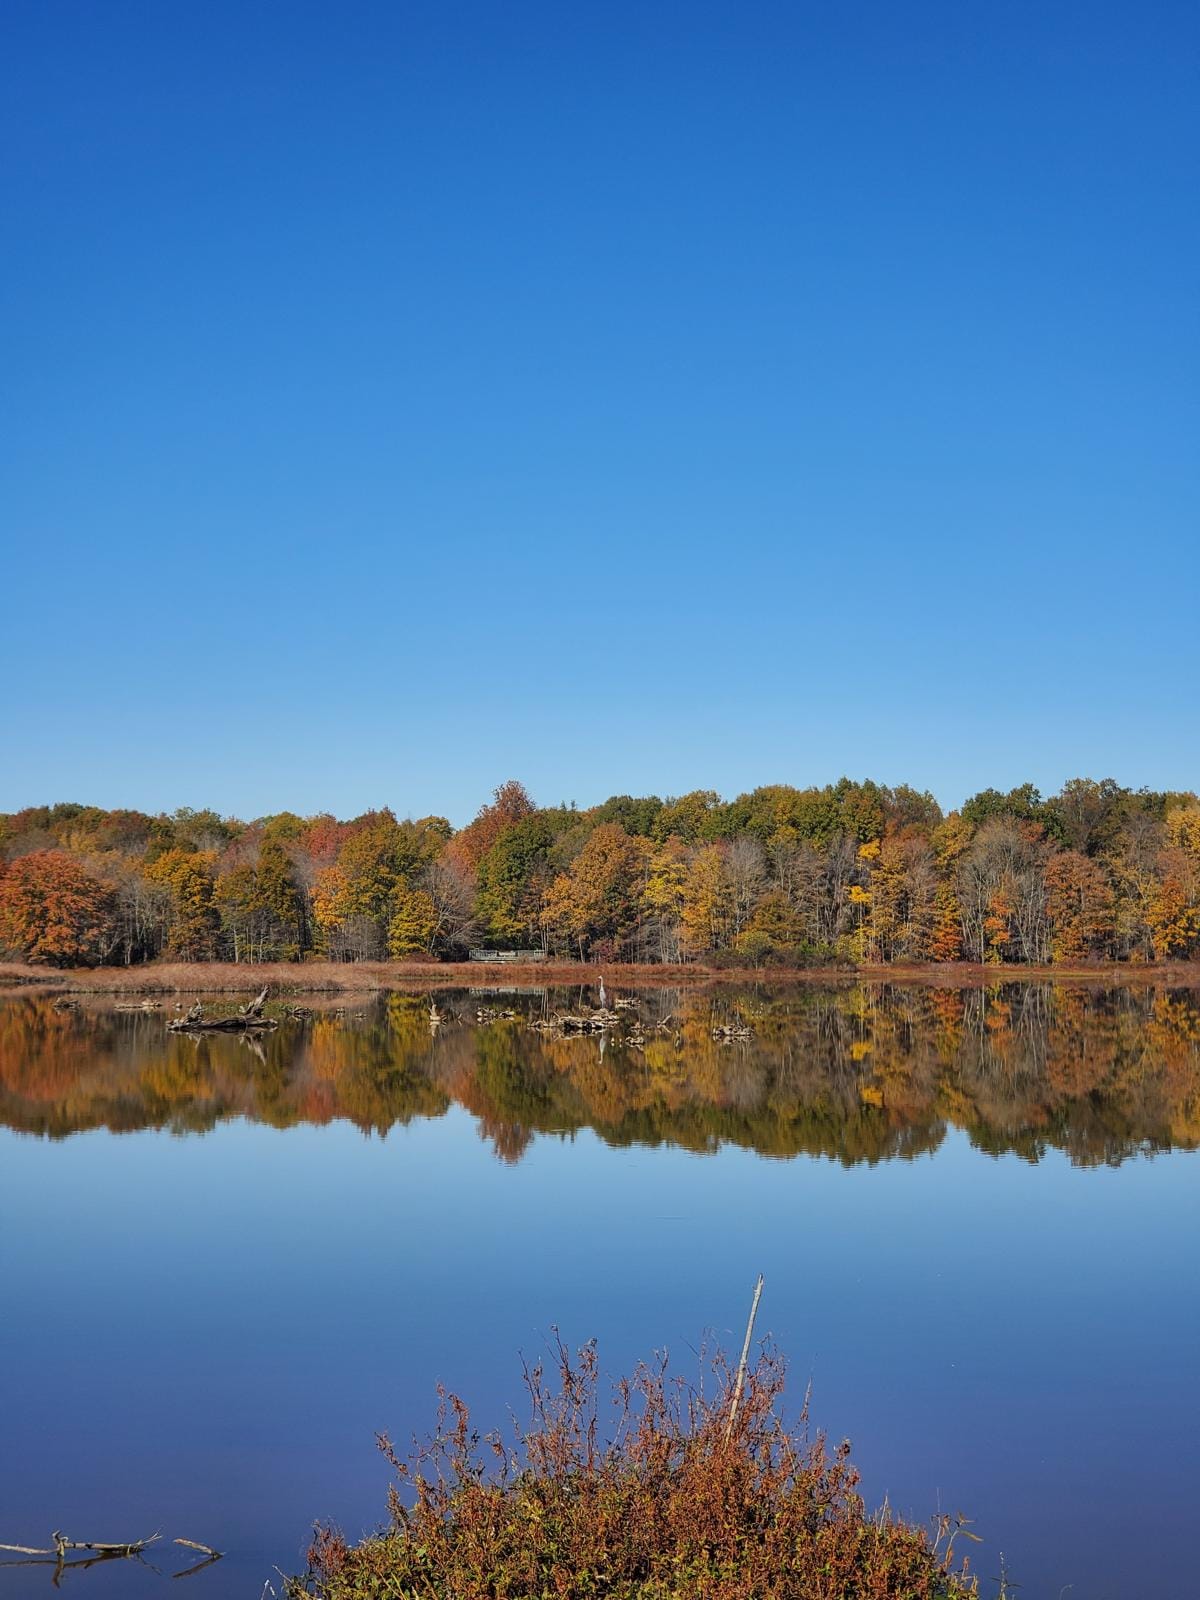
pixel 859 1073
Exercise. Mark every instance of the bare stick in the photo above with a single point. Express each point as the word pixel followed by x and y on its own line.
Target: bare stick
pixel 741 1371
pixel 192 1545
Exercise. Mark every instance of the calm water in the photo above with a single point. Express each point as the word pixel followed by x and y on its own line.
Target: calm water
pixel 224 1268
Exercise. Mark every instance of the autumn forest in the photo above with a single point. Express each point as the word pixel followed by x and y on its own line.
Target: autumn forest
pixel 850 874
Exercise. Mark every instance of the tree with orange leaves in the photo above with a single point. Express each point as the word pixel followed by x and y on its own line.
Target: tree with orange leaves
pixel 1079 905
pixel 596 902
pixel 945 939
pixel 53 909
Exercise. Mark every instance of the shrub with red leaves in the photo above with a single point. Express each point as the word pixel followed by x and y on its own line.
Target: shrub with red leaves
pixel 674 1503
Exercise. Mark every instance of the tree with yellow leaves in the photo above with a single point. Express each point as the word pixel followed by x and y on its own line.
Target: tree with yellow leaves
pixel 594 905
pixel 195 924
pixel 706 918
pixel 413 924
pixel 663 894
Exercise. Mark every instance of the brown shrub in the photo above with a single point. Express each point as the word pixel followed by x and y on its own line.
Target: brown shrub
pixel 674 1503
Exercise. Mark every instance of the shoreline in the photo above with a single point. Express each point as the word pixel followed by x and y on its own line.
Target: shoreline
pixel 379 977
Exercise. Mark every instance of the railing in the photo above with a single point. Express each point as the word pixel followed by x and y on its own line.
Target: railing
pixel 501 956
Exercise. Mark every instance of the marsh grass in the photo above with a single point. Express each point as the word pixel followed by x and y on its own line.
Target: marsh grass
pixel 663 1503
pixel 376 977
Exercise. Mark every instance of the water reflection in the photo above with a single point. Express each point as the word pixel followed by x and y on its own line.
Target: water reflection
pixel 857 1073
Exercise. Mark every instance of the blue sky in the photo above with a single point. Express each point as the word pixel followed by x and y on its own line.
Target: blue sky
pixel 398 398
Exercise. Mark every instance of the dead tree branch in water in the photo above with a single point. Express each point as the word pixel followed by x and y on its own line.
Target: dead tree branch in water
pixel 249 1018
pixel 54 1555
pixel 62 1544
pixel 210 1555
pixel 205 1549
pixel 254 1009
pixel 132 1548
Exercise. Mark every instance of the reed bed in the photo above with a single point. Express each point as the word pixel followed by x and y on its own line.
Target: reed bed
pixel 373 977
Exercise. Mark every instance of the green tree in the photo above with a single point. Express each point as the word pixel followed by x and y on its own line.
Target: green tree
pixel 279 900
pixel 512 880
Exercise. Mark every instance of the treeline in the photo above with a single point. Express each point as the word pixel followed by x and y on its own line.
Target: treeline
pixel 849 873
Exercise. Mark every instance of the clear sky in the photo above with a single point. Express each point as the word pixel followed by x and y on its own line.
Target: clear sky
pixel 395 398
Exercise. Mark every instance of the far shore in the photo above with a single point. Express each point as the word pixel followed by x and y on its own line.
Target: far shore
pixel 377 977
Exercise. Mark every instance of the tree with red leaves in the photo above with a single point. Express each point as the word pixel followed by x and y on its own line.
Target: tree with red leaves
pixel 510 803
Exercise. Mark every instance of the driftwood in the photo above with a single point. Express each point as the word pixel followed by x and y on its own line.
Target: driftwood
pixel 237 1024
pixel 254 1009
pixel 601 1021
pixel 62 1544
pixel 205 1549
pixel 130 1549
pixel 249 1018
pixel 55 1555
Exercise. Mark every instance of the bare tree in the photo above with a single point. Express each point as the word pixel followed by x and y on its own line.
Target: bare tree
pixel 454 904
pixel 746 871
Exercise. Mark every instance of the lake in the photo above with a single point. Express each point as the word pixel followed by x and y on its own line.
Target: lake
pixel 226 1264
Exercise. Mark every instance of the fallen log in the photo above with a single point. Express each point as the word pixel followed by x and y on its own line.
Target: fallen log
pixel 249 1017
pixel 62 1544
pixel 102 1551
pixel 132 1548
pixel 238 1024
